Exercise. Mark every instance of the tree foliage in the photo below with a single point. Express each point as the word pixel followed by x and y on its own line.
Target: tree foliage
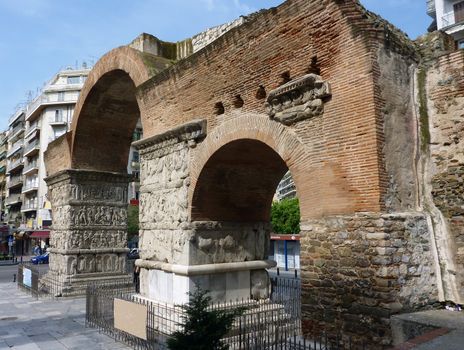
pixel 133 220
pixel 285 216
pixel 203 327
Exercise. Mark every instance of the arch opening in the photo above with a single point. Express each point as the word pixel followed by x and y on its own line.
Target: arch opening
pixel 104 131
pixel 238 183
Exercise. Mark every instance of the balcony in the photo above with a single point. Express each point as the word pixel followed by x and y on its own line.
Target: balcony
pixel 31 187
pixel 31 167
pixel 15 148
pixel 33 128
pixel 58 121
pixel 17 164
pixel 30 205
pixel 431 8
pixel 15 181
pixel 32 148
pixel 16 131
pixel 43 101
pixel 19 112
pixel 13 199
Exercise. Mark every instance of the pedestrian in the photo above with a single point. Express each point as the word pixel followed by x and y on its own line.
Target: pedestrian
pixel 136 279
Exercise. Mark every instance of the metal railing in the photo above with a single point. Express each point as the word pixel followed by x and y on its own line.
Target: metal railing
pixel 30 165
pixel 272 324
pixel 38 283
pixel 15 164
pixel 31 145
pixel 448 19
pixel 15 147
pixel 30 205
pixel 13 199
pixel 30 185
pixel 16 129
pixel 15 180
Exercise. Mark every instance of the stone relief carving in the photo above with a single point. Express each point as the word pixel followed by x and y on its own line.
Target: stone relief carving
pixel 298 99
pixel 62 194
pixel 90 215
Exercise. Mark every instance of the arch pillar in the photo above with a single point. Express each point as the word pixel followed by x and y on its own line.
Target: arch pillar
pixel 177 254
pixel 89 233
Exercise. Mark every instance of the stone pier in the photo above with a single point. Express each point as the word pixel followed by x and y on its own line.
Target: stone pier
pixel 177 254
pixel 89 234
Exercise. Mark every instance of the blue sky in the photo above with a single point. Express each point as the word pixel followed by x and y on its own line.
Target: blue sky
pixel 38 37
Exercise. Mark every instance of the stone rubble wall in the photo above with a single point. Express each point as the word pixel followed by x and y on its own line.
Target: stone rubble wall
pixel 206 37
pixel 444 83
pixel 359 270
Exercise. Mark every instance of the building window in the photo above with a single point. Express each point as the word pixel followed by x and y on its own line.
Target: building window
pixel 58 115
pixel 135 156
pixel 458 12
pixel 136 175
pixel 61 96
pixel 460 44
pixel 137 135
pixel 74 79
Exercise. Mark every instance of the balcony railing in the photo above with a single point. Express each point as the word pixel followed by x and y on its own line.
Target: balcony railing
pixel 58 120
pixel 30 205
pixel 29 166
pixel 15 148
pixel 47 100
pixel 430 7
pixel 30 186
pixel 18 128
pixel 448 19
pixel 32 128
pixel 31 146
pixel 13 199
pixel 12 165
pixel 14 181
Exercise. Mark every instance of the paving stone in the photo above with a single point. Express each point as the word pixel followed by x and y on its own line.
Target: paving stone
pixel 30 324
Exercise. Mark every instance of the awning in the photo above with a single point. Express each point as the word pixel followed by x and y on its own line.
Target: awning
pixel 40 234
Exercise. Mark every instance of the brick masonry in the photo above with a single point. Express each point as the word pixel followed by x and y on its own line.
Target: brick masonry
pixel 358 153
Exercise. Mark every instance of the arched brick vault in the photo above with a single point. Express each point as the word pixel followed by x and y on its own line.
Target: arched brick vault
pixel 241 140
pixel 107 110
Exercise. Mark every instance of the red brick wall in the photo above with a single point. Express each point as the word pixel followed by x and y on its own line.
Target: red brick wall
pixel 344 145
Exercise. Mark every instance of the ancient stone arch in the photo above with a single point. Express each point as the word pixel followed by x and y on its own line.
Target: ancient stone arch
pixel 320 87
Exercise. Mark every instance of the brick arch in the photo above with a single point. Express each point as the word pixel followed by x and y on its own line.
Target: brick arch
pixel 274 147
pixel 107 111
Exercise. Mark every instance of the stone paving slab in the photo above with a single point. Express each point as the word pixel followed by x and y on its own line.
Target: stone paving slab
pixel 30 324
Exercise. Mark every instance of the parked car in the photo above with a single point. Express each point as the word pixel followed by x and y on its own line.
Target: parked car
pixel 133 254
pixel 40 259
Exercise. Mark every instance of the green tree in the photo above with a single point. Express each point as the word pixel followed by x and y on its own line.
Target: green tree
pixel 285 216
pixel 133 220
pixel 203 328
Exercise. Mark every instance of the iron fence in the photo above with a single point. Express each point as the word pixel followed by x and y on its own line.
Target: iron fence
pixel 39 284
pixel 273 324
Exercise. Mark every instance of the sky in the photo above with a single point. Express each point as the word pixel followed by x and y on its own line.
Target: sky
pixel 40 37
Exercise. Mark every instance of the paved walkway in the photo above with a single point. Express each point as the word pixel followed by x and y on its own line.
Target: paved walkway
pixel 30 324
pixel 448 335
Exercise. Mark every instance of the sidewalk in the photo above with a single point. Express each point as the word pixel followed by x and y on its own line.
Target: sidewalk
pixel 447 335
pixel 29 324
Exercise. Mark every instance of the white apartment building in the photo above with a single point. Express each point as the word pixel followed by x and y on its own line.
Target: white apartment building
pixel 31 129
pixel 286 188
pixel 47 117
pixel 14 167
pixel 449 17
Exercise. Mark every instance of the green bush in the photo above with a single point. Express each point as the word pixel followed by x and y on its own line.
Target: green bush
pixel 285 216
pixel 203 328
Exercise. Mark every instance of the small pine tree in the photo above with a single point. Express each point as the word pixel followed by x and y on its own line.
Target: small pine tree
pixel 203 328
